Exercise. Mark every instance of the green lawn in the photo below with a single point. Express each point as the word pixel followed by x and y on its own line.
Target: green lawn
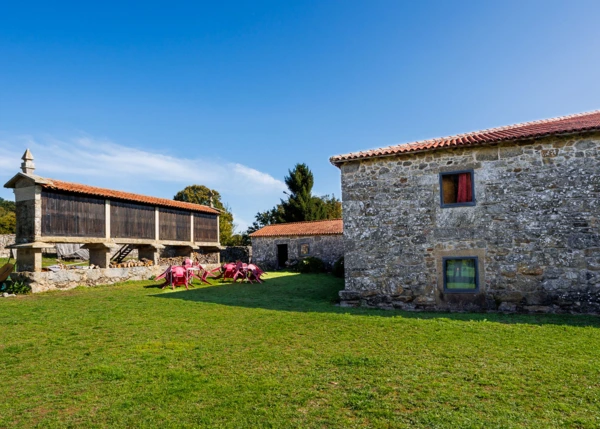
pixel 282 355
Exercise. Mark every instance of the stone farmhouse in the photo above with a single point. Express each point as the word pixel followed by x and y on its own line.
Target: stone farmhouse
pixel 503 219
pixel 274 245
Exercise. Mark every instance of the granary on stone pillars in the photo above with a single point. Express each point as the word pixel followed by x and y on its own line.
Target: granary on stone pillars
pixel 53 211
pixel 503 219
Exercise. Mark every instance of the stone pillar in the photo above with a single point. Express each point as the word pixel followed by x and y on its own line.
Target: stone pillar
pixel 29 259
pixel 99 254
pixel 28 200
pixel 150 252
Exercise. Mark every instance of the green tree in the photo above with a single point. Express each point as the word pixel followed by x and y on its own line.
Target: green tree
pixel 332 206
pixel 200 194
pixel 266 218
pixel 301 204
pixel 8 219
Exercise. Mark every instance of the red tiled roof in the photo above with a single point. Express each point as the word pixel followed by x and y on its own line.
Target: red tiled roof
pixel 59 185
pixel 588 121
pixel 317 227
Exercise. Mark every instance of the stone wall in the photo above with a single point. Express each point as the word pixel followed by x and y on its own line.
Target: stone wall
pixel 535 228
pixel 329 248
pixel 237 253
pixel 69 279
pixel 6 240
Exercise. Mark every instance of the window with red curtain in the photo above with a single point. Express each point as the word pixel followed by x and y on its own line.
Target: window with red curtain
pixel 456 188
pixel 465 188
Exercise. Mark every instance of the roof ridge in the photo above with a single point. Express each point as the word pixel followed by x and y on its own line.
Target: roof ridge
pixel 99 190
pixel 509 127
pixel 303 221
pixel 478 136
pixel 302 228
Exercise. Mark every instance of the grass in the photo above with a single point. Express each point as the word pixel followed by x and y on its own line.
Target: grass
pixel 281 355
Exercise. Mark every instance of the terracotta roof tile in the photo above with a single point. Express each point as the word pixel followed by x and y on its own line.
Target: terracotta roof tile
pixel 317 227
pixel 59 185
pixel 588 121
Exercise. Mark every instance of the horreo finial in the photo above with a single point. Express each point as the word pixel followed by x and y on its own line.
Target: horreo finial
pixel 27 166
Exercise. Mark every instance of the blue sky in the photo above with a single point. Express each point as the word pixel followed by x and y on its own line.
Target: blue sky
pixel 150 97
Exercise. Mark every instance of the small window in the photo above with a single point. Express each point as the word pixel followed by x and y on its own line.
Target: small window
pixel 460 274
pixel 304 249
pixel 457 189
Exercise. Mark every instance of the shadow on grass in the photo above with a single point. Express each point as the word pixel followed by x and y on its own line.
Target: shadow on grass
pixel 319 293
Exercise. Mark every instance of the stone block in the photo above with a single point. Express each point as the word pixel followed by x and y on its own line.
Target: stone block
pixel 349 295
pixel 29 259
pixel 507 307
pixel 487 154
pixel 530 269
pixel 509 296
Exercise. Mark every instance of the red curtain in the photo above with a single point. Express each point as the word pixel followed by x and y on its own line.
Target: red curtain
pixel 465 188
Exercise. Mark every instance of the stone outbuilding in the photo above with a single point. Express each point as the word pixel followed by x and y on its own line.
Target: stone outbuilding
pixel 503 219
pixel 274 245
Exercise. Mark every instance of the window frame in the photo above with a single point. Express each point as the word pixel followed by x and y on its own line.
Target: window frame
pixel 445 278
pixel 449 205
pixel 304 243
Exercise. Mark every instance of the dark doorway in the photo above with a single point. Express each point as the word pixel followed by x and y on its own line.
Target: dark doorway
pixel 282 255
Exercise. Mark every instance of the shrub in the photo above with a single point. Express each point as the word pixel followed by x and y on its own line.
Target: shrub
pixel 311 264
pixel 338 267
pixel 18 287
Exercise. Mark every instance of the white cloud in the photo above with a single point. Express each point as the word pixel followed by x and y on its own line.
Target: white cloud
pixel 101 162
pixel 102 158
pixel 8 159
pixel 240 223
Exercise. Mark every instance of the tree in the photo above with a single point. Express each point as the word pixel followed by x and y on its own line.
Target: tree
pixel 200 194
pixel 8 219
pixel 332 206
pixel 265 218
pixel 301 204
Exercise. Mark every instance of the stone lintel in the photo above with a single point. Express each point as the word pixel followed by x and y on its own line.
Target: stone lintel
pixel 91 246
pixel 210 248
pixel 214 244
pixel 134 241
pixel 35 245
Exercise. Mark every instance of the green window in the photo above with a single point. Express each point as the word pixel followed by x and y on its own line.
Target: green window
pixel 460 274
